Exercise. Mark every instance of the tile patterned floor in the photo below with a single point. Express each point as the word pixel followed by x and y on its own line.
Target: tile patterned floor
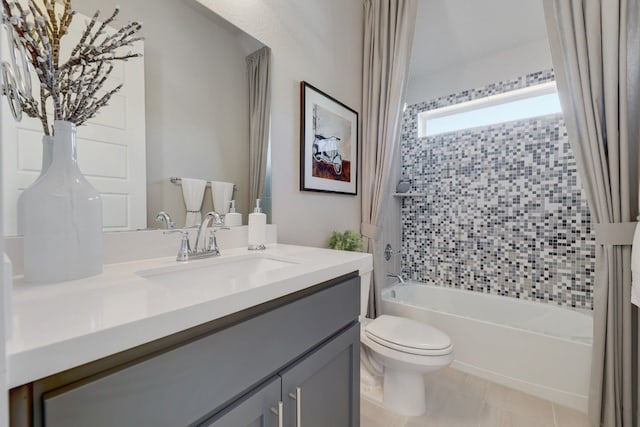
pixel 456 399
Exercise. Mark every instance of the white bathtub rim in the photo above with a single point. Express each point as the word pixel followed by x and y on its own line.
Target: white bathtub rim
pixel 486 322
pixel 549 304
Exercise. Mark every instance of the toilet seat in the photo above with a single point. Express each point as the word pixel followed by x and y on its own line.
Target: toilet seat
pixel 410 361
pixel 408 336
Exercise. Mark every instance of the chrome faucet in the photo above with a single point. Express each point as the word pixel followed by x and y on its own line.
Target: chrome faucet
pixel 217 222
pixel 185 252
pixel 396 276
pixel 163 216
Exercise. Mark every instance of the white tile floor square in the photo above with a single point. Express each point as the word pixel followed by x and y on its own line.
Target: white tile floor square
pixel 456 399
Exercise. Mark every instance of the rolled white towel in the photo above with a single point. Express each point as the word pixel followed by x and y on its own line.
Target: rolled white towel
pixel 221 194
pixel 193 192
pixel 635 268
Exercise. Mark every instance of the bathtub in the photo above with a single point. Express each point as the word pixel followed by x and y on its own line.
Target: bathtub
pixel 540 349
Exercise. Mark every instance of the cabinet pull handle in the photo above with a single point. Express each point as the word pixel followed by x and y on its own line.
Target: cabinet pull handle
pixel 279 413
pixel 298 398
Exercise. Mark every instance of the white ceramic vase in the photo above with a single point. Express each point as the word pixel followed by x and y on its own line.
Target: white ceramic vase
pixel 47 155
pixel 62 218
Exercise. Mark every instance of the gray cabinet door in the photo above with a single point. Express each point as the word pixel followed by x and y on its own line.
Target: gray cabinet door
pixel 325 386
pixel 255 411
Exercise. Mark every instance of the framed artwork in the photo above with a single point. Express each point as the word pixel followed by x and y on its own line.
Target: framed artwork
pixel 328 143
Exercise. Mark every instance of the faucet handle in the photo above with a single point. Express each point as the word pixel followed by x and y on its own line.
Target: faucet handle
pixel 212 243
pixel 185 247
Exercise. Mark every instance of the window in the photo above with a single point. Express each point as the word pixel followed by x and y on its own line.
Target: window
pixel 519 104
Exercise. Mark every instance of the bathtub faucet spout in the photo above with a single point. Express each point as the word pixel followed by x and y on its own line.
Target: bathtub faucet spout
pixel 397 276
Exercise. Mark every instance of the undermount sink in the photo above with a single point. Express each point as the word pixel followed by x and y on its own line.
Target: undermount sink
pixel 247 270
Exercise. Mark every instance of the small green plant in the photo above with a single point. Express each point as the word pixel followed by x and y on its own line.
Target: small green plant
pixel 347 241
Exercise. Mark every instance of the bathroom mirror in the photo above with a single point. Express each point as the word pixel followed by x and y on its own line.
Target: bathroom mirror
pixel 195 109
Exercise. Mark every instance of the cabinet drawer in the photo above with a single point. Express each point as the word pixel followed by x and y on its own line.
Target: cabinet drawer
pixel 186 384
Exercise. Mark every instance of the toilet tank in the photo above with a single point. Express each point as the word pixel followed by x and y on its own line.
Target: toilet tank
pixel 365 286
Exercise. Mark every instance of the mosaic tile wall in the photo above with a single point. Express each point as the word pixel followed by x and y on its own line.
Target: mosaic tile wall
pixel 502 211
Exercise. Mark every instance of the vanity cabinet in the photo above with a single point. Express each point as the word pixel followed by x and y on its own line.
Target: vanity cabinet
pixel 300 351
pixel 319 391
pixel 261 409
pixel 324 388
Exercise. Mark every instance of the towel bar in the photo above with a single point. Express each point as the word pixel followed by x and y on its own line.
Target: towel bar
pixel 178 181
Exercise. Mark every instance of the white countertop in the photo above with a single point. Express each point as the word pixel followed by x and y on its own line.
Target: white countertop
pixel 62 325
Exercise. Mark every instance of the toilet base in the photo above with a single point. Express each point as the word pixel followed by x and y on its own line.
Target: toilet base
pixel 371 386
pixel 404 392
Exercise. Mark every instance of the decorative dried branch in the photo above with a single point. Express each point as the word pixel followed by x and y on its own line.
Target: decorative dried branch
pixel 73 85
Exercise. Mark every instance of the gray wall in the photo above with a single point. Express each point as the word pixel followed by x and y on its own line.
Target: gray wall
pixel 196 99
pixel 503 211
pixel 502 65
pixel 319 41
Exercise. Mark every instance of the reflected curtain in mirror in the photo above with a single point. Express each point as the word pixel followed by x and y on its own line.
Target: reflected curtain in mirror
pixel 258 67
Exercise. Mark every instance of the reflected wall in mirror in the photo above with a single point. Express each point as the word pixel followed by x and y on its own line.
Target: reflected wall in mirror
pixel 193 120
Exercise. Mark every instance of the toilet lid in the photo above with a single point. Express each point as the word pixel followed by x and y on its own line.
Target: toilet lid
pixel 406 335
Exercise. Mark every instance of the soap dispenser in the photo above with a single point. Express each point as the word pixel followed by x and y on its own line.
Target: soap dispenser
pixel 233 218
pixel 257 235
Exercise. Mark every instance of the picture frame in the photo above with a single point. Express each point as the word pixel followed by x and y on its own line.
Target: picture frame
pixel 328 143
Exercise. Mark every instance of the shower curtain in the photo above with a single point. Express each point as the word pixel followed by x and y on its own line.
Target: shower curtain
pixel 595 50
pixel 388 38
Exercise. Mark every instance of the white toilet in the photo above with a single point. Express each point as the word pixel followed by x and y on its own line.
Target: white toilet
pixel 405 349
